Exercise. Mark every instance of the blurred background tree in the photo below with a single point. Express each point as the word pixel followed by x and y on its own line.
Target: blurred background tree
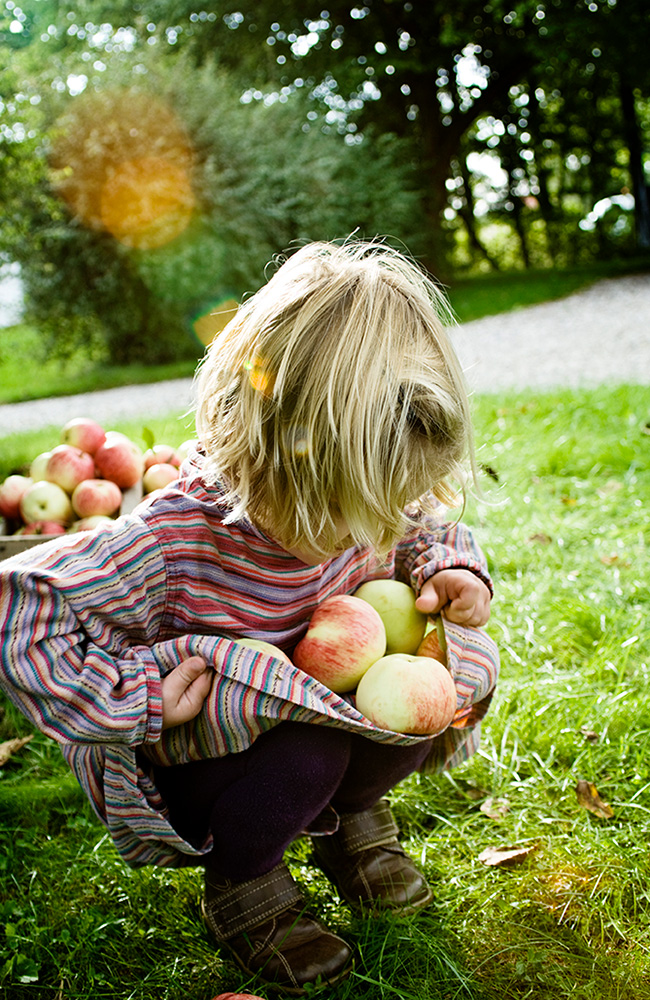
pixel 156 155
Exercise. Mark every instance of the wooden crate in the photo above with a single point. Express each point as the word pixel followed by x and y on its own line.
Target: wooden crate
pixel 12 544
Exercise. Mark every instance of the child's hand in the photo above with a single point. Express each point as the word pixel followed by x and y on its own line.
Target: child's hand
pixel 184 689
pixel 462 595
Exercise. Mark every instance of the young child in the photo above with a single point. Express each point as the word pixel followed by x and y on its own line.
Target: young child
pixel 333 419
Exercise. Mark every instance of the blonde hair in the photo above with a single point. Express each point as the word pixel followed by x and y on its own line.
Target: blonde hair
pixel 335 392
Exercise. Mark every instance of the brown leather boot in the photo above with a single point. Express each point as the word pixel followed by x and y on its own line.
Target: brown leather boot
pixel 367 864
pixel 263 924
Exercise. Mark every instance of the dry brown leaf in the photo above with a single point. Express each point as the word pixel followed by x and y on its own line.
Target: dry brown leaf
pixel 541 538
pixel 500 857
pixel 569 501
pixel 613 560
pixel 588 798
pixel 495 808
pixel 10 747
pixel 589 734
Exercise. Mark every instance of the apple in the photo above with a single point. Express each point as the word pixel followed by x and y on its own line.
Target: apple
pixel 120 460
pixel 96 496
pixel 158 475
pixel 39 465
pixel 430 646
pixel 187 447
pixel 162 453
pixel 84 433
pixel 11 493
pixel 237 996
pixel 43 528
pixel 408 694
pixel 45 501
pixel 88 523
pixel 264 647
pixel 68 466
pixel 345 635
pixel 395 602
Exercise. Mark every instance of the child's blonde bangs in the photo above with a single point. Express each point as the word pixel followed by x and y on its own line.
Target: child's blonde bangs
pixel 335 393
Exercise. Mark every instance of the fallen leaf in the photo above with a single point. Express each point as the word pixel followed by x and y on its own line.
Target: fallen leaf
pixel 588 798
pixel 612 560
pixel 10 747
pixel 498 857
pixel 541 538
pixel 589 734
pixel 495 808
pixel 569 501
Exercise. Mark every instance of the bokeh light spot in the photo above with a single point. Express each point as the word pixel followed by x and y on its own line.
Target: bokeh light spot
pixel 122 161
pixel 209 324
pixel 147 202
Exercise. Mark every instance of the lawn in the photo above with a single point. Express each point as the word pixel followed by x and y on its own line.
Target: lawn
pixel 564 520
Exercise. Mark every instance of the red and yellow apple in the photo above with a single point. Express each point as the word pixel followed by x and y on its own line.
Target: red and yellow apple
pixel 158 475
pixel 11 493
pixel 162 453
pixel 395 602
pixel 407 694
pixel 430 646
pixel 90 523
pixel 45 501
pixel 120 460
pixel 262 646
pixel 96 496
pixel 84 433
pixel 68 466
pixel 39 465
pixel 344 637
pixel 42 528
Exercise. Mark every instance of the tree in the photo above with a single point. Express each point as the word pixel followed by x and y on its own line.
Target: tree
pixel 148 194
pixel 426 72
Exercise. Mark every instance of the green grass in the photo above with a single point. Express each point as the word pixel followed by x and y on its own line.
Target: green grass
pixel 486 295
pixel 566 528
pixel 27 371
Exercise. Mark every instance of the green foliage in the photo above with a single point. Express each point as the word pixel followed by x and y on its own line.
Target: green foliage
pixel 566 531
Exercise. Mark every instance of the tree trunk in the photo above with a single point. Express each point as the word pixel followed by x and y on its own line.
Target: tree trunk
pixel 635 148
pixel 468 216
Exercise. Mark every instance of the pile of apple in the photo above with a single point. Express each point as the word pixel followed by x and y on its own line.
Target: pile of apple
pixel 81 482
pixel 376 641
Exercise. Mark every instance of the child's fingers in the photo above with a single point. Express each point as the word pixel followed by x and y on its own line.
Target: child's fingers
pixel 184 690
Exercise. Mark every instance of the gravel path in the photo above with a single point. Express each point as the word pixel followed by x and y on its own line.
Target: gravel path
pixel 595 336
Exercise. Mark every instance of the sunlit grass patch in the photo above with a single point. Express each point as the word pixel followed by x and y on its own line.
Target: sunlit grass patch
pixel 566 529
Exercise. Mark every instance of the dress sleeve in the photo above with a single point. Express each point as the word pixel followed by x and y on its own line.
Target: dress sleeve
pixel 78 620
pixel 439 546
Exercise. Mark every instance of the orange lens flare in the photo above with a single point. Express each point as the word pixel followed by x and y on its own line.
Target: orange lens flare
pixel 122 161
pixel 260 375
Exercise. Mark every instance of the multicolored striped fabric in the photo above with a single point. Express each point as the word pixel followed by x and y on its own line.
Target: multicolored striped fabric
pixel 89 624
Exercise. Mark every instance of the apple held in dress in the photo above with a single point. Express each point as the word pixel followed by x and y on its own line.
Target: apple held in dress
pixel 345 636
pixel 408 694
pixel 395 601
pixel 262 646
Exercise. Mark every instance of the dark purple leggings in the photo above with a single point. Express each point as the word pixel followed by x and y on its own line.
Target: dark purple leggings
pixel 257 801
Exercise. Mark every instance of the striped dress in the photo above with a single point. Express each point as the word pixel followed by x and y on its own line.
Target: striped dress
pixel 90 622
